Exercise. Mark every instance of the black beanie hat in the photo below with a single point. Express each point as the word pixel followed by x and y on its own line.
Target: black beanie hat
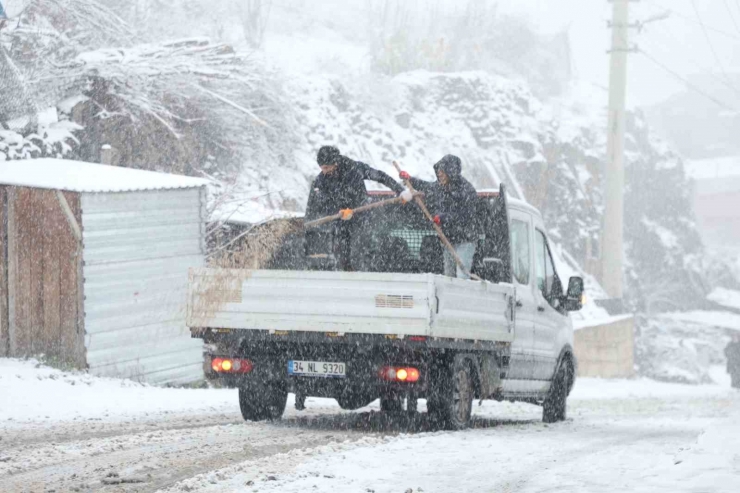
pixel 327 156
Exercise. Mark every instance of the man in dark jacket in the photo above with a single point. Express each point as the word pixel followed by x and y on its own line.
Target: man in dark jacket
pixel 732 352
pixel 455 202
pixel 341 188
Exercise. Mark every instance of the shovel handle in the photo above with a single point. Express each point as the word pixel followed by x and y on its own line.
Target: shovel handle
pixel 362 208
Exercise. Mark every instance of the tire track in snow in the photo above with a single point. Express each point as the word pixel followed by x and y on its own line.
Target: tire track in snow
pixel 31 434
pixel 161 457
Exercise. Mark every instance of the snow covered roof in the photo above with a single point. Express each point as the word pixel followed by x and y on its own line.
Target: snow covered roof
pixel 586 323
pixel 78 176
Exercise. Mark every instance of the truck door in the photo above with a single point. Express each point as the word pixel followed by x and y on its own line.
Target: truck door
pixel 522 349
pixel 550 320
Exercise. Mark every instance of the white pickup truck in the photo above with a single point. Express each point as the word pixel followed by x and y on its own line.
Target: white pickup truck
pixel 394 328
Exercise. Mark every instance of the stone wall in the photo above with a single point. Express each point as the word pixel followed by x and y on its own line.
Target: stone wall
pixel 606 351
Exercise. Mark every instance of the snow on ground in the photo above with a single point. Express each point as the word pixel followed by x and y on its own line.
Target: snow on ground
pixel 33 393
pixel 74 430
pixel 624 435
pixel 592 389
pixel 725 297
pixel 27 387
pixel 713 462
pixel 719 375
pixel 681 347
pixel 502 460
pixel 725 320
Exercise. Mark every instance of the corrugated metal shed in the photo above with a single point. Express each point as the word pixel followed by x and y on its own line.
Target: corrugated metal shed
pixel 140 233
pixel 138 249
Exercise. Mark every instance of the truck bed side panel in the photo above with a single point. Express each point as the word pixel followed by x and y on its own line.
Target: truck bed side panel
pixel 310 301
pixel 473 310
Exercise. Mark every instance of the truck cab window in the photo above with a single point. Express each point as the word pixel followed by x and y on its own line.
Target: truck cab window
pixel 520 250
pixel 545 270
pixel 539 262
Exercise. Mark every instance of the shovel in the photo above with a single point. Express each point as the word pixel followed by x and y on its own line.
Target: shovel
pixel 362 208
pixel 441 235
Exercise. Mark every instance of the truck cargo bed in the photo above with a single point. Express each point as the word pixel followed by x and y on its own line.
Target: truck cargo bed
pixel 351 302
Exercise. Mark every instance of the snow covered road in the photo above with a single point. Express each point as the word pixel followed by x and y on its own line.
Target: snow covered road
pixel 621 436
pixel 635 436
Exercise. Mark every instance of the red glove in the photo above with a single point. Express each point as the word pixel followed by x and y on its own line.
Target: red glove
pixel 437 220
pixel 404 176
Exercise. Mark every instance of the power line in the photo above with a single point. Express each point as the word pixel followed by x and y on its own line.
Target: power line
pixel 711 48
pixel 725 80
pixel 693 61
pixel 688 84
pixel 657 4
pixel 732 16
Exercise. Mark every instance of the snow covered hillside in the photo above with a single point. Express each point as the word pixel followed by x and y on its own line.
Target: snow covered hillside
pixel 477 98
pixel 254 122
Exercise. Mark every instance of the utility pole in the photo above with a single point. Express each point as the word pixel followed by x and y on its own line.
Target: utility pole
pixel 612 240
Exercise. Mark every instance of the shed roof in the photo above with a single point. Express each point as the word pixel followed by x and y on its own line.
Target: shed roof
pixel 78 176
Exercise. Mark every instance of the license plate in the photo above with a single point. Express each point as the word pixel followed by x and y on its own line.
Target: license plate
pixel 317 369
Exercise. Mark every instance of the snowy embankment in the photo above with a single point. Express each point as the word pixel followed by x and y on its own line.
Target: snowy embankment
pixel 33 393
pixel 727 298
pixel 686 347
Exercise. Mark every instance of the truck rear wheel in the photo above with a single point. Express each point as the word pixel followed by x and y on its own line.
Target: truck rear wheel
pixel 554 408
pixel 451 402
pixel 260 402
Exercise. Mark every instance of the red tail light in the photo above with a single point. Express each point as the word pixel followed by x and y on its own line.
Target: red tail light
pixel 399 374
pixel 231 365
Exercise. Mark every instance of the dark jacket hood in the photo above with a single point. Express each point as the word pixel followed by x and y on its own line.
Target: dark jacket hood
pixel 451 165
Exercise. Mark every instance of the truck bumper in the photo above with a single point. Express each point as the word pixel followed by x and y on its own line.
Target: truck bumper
pixel 362 372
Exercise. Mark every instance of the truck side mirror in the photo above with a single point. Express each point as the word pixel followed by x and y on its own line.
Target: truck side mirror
pixel 573 300
pixel 490 269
